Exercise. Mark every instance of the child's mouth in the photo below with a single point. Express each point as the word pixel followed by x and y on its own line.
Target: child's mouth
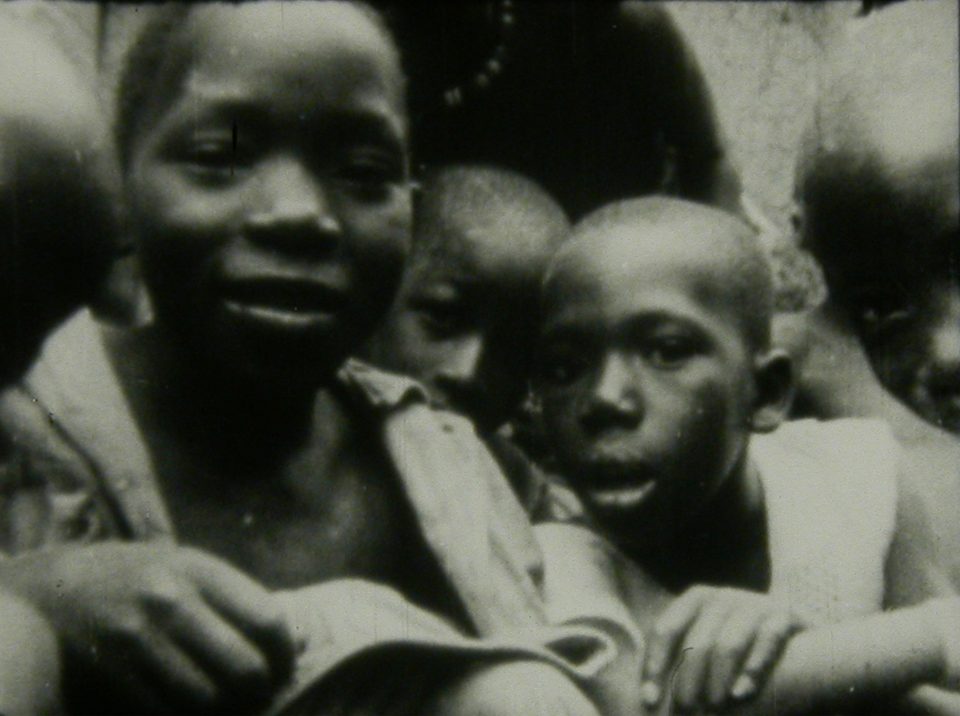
pixel 289 303
pixel 618 487
pixel 621 497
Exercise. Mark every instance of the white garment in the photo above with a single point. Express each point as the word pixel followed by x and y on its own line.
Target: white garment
pixel 830 490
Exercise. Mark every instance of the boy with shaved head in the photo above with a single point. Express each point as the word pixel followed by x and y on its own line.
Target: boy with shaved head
pixel 663 400
pixel 461 322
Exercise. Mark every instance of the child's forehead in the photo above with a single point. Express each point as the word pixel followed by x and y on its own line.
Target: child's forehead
pixel 490 251
pixel 630 272
pixel 288 39
pixel 273 23
pixel 681 248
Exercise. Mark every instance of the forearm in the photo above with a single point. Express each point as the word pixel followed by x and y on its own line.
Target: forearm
pixel 855 663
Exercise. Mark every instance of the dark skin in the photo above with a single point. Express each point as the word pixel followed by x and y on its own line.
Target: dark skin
pixel 460 323
pixel 880 209
pixel 727 544
pixel 264 255
pixel 269 197
pixel 216 442
pixel 650 389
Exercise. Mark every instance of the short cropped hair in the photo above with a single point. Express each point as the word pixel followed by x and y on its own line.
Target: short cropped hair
pixel 153 69
pixel 496 197
pixel 749 278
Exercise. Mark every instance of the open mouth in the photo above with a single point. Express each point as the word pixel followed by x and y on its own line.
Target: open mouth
pixel 285 301
pixel 618 488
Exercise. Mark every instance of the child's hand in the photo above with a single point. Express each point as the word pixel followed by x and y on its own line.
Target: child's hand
pixel 174 629
pixel 715 647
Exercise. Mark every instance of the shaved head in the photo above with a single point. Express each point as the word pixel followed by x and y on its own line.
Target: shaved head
pixel 497 205
pixel 725 250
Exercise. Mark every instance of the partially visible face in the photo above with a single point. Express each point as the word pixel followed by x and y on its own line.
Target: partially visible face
pixel 644 376
pixel 270 196
pixel 917 354
pixel 463 321
pixel 913 337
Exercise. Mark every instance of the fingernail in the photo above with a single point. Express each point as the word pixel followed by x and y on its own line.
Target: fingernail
pixel 650 693
pixel 744 687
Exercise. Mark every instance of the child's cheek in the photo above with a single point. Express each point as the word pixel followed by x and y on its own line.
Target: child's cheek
pixel 379 238
pixel 560 409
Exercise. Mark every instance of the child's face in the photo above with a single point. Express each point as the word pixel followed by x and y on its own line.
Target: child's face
pixel 645 377
pixel 913 338
pixel 270 194
pixel 462 322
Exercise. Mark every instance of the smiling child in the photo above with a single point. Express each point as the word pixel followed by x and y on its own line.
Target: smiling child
pixel 221 452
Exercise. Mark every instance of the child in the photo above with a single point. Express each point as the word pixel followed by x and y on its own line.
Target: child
pixel 656 368
pixel 885 136
pixel 264 153
pixel 461 322
pixel 878 188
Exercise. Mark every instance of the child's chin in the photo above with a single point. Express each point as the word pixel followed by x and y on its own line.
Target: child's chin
pixel 258 351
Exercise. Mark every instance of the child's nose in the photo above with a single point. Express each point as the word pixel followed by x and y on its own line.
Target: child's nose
pixel 292 209
pixel 615 400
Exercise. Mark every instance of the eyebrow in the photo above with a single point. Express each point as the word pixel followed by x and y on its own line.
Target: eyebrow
pixel 631 327
pixel 346 125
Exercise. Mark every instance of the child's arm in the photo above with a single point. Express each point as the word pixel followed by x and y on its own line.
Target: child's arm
pixel 171 629
pixel 865 661
pixel 714 647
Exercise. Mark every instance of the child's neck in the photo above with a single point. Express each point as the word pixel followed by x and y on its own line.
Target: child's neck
pixel 726 544
pixel 234 411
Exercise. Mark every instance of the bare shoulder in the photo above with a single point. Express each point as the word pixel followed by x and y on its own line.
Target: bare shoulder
pixel 925 557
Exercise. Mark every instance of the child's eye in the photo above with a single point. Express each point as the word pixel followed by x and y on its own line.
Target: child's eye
pixel 671 351
pixel 213 154
pixel 370 171
pixel 215 159
pixel 441 319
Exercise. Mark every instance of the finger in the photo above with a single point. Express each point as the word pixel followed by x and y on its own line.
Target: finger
pixel 250 608
pixel 732 646
pixel 666 637
pixel 697 651
pixel 236 663
pixel 174 676
pixel 772 637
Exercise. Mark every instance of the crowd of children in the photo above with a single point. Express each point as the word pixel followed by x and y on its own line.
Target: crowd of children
pixel 302 486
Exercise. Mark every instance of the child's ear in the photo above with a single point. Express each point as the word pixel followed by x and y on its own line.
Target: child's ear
pixel 774 381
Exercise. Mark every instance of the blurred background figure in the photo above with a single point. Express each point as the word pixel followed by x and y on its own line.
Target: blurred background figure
pixel 57 232
pixel 593 101
pixel 57 184
pixel 879 183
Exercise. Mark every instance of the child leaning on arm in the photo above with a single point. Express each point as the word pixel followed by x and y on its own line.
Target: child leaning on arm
pixel 663 399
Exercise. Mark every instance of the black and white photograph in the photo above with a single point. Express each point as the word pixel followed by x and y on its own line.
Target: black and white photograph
pixel 480 358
